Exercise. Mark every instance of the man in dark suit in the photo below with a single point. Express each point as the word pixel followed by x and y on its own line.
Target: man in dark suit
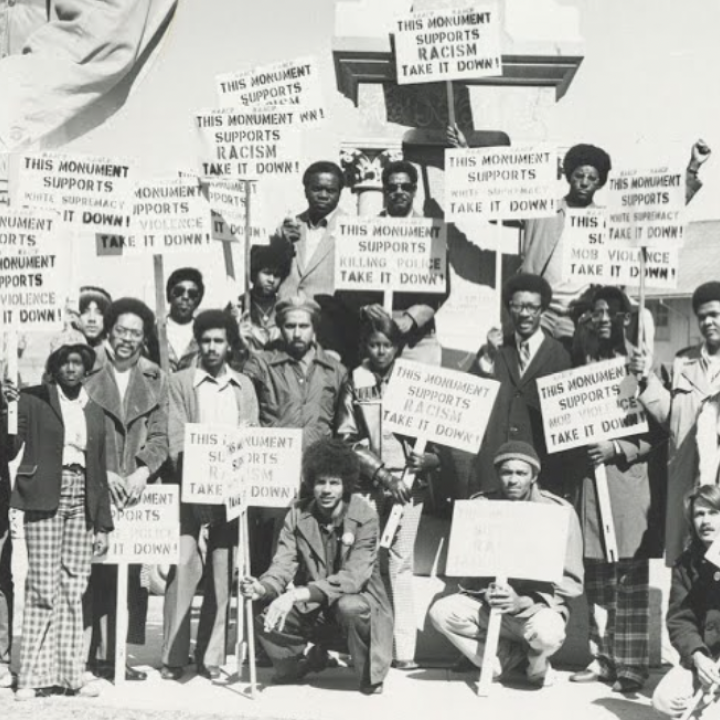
pixel 526 355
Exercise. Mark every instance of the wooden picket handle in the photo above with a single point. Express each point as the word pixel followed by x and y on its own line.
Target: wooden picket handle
pixel 450 102
pixel 245 549
pixel 391 526
pixel 121 623
pixel 248 244
pixel 606 516
pixel 12 374
pixel 641 310
pixel 159 275
pixel 492 639
pixel 240 618
pixel 388 296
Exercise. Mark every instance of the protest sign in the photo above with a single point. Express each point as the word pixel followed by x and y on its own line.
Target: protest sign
pixel 501 183
pixel 253 143
pixel 228 205
pixel 589 404
pixel 402 255
pixel 169 216
pixel 295 82
pixel 93 193
pixel 148 532
pixel 589 256
pixel 4 179
pixel 443 406
pixel 489 538
pixel 205 467
pixel 35 269
pixel 647 207
pixel 266 468
pixel 448 44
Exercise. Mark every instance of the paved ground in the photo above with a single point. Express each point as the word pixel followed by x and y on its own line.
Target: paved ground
pixel 427 693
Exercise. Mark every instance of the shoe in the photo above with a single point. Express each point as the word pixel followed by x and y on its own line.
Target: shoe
pixel 405 665
pixel 6 680
pixel 318 659
pixel 211 672
pixel 31 693
pixel 133 675
pixel 543 680
pixel 464 665
pixel 89 690
pixel 626 685
pixel 293 675
pixel 171 673
pixel 375 689
pixel 589 674
pixel 106 671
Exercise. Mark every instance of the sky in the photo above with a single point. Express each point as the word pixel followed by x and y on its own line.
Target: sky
pixel 647 87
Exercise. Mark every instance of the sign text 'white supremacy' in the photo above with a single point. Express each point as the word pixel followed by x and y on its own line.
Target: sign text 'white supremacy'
pixel 500 183
pixel 148 532
pixel 93 193
pixel 589 256
pixel 265 468
pixel 295 82
pixel 444 406
pixel 448 44
pixel 169 216
pixel 485 542
pixel 35 269
pixel 589 404
pixel 403 255
pixel 252 143
pixel 647 208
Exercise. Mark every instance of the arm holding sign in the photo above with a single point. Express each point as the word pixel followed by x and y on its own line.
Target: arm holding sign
pixel 699 153
pixel 654 396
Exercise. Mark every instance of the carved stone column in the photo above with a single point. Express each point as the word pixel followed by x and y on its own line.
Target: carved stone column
pixel 363 162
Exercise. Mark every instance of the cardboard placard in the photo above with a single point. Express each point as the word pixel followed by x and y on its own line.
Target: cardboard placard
pixel 403 255
pixel 93 193
pixel 490 538
pixel 589 404
pixel 266 468
pixel 205 467
pixel 713 552
pixel 169 216
pixel 444 406
pixel 255 143
pixel 228 212
pixel 502 183
pixel 589 256
pixel 148 532
pixel 35 269
pixel 646 208
pixel 295 82
pixel 448 44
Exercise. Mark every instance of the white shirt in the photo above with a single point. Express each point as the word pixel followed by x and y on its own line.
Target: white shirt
pixel 75 428
pixel 179 336
pixel 122 380
pixel 217 401
pixel 314 234
pixel 533 343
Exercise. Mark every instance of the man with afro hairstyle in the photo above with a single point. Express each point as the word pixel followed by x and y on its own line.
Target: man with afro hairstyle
pixel 328 550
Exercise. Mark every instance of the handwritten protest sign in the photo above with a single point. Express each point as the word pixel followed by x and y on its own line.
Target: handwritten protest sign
pixel 500 183
pixel 448 44
pixel 93 193
pixel 253 143
pixel 489 538
pixel 590 404
pixel 295 82
pixel 148 532
pixel 169 216
pixel 266 471
pixel 404 255
pixel 647 207
pixel 35 269
pixel 205 468
pixel 228 205
pixel 589 256
pixel 441 405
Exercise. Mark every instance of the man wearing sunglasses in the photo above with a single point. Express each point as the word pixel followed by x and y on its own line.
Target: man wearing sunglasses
pixel 184 292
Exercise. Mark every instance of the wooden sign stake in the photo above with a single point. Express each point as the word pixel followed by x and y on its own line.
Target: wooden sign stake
pixel 491 645
pixel 159 274
pixel 606 516
pixel 11 345
pixel 121 624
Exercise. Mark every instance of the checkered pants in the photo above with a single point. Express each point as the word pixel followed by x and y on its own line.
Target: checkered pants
pixel 59 548
pixel 618 601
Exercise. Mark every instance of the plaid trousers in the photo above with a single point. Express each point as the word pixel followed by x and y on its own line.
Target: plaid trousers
pixel 59 548
pixel 619 607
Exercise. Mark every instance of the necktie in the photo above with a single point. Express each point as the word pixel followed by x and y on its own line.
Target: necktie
pixel 524 353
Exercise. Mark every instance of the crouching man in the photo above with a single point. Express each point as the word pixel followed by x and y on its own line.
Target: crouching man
pixel 328 550
pixel 534 613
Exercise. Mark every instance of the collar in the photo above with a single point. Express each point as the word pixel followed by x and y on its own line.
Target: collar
pixel 82 399
pixel 706 357
pixel 282 356
pixel 323 223
pixel 335 522
pixel 226 378
pixel 534 341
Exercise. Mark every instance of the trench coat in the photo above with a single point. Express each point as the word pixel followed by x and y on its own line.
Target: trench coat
pixel 300 558
pixel 676 410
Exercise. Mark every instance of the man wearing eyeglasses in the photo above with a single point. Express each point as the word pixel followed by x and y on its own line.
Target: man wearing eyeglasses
pixel 133 393
pixel 526 355
pixel 618 591
pixel 184 292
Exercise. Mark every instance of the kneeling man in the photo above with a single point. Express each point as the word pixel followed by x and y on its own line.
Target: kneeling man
pixel 328 550
pixel 534 613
